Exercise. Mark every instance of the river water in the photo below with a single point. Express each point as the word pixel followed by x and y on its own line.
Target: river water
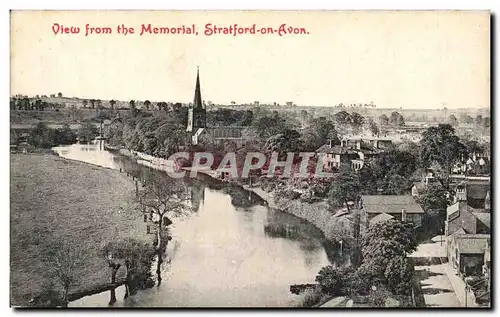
pixel 226 254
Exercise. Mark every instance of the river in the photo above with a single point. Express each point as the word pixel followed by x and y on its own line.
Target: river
pixel 225 254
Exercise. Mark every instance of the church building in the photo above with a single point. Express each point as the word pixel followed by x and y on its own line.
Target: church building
pixel 197 123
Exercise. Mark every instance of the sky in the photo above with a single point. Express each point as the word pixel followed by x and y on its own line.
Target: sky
pixel 394 59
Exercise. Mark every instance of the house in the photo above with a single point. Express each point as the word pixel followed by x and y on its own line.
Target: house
pixel 462 216
pixel 356 151
pixel 467 253
pixel 428 179
pixel 403 208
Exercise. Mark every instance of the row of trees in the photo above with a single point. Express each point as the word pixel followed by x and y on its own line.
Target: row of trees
pixel 160 199
pixel 479 121
pixel 26 104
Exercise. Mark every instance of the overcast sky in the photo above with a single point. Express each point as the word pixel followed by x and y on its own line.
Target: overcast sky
pixel 395 59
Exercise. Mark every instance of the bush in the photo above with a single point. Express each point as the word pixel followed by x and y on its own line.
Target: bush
pixel 311 297
pixel 333 281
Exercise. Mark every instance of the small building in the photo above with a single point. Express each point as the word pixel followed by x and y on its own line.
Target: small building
pixel 403 208
pixel 467 253
pixel 461 216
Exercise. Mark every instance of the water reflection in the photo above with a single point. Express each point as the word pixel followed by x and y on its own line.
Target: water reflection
pixel 232 252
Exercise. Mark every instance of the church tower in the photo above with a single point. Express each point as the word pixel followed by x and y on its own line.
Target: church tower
pixel 197 114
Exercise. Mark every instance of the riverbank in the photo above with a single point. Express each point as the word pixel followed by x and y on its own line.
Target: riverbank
pixel 53 199
pixel 318 213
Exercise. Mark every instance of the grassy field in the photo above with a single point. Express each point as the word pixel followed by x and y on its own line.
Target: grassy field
pixel 54 198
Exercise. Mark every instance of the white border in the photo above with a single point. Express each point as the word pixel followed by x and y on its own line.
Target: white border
pixel 185 5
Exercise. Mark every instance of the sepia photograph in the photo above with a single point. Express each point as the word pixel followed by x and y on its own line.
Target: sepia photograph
pixel 250 159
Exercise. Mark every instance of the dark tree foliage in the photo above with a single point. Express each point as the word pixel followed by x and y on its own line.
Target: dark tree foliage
pixel 397 119
pixel 440 144
pixel 345 187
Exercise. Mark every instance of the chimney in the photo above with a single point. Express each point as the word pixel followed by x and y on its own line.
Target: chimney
pixel 403 215
pixel 330 142
pixel 358 144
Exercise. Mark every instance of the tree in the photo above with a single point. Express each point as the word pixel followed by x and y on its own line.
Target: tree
pixel 162 106
pixel 382 244
pixel 486 122
pixel 59 94
pixel 434 201
pixel 378 296
pixel 397 119
pixel 333 281
pixel 393 170
pixel 389 238
pixel 398 274
pixel 147 103
pixel 64 135
pixel 373 127
pixel 383 120
pixel 163 197
pixel 84 103
pixel 288 141
pixel 479 120
pixel 92 103
pixel 453 120
pixel 465 118
pixel 345 188
pixel 65 260
pixel 112 103
pixel 136 257
pixel 441 145
pixel 41 136
pixel 356 121
pixel 87 132
pixel 342 117
pixel 396 184
pixel 132 107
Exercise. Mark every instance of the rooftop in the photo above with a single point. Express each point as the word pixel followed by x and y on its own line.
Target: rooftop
pixel 472 243
pixel 381 218
pixel 391 204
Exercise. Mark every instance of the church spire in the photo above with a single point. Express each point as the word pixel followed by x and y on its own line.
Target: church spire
pixel 197 92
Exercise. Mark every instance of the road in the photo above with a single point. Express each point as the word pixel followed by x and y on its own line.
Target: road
pixel 436 287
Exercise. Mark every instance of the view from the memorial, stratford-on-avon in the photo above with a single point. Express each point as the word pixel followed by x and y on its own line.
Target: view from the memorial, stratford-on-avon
pixel 278 204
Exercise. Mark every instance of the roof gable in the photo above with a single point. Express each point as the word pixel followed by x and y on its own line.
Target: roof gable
pixel 472 244
pixel 484 217
pixel 381 218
